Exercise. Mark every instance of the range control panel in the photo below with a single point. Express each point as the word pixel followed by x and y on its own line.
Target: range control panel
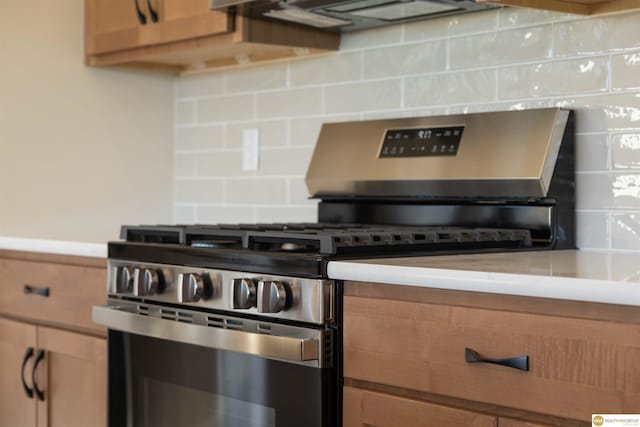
pixel 421 142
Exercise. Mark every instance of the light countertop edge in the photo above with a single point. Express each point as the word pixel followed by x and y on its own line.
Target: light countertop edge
pixel 523 283
pixel 59 247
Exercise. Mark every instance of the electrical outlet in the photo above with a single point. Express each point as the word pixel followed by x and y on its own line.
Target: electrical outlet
pixel 250 149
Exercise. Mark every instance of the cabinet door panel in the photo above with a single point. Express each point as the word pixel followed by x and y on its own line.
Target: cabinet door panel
pixel 16 409
pixel 510 422
pixel 76 379
pixel 189 19
pixel 112 25
pixel 366 408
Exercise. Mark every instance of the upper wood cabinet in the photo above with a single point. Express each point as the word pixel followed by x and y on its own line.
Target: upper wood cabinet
pixel 183 35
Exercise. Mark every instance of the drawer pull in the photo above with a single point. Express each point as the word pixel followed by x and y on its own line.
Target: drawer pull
pixel 28 289
pixel 28 355
pixel 520 362
pixel 39 393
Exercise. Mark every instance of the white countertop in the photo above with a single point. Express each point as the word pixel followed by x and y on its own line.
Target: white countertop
pixel 606 277
pixel 60 247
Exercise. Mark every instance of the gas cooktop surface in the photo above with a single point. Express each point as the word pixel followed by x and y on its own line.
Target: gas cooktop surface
pixel 327 238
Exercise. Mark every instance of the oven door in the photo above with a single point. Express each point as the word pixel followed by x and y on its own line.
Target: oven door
pixel 168 373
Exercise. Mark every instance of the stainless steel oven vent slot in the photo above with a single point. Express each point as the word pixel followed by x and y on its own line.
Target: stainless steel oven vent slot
pixel 168 314
pixel 215 322
pixel 142 310
pixel 234 324
pixel 184 317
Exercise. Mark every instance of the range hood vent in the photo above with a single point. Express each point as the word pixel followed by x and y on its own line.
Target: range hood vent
pixel 350 15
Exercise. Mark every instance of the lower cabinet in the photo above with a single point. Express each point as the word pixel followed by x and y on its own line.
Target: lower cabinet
pixel 51 377
pixel 524 363
pixel 53 358
pixel 363 408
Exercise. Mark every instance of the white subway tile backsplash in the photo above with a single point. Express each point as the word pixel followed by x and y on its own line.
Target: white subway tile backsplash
pixel 613 33
pixel 198 191
pixel 200 85
pixel 625 70
pixel 273 133
pixel 258 191
pixel 595 229
pixel 592 152
pixel 375 37
pixel 199 137
pixel 221 164
pixel 410 59
pixel 502 59
pixel 225 108
pixel 289 103
pixel 501 47
pixel 184 214
pixel 185 112
pixel 511 17
pixel 331 68
pixel 451 25
pixel 285 161
pixel 268 76
pixel 625 151
pixel 626 231
pixel 223 214
pixel 451 88
pixel 588 75
pixel 604 113
pixel 286 214
pixel 358 97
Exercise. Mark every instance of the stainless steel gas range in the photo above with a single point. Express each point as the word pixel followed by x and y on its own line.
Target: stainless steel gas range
pixel 239 325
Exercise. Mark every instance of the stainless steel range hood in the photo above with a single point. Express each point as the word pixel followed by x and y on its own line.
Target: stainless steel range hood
pixel 350 15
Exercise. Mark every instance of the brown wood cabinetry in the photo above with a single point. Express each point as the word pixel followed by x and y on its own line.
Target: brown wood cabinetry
pixel 577 366
pixel 183 35
pixel 48 343
pixel 367 408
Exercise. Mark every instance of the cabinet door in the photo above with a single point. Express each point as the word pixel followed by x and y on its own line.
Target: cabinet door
pixel 16 408
pixel 510 422
pixel 113 25
pixel 74 378
pixel 188 19
pixel 366 408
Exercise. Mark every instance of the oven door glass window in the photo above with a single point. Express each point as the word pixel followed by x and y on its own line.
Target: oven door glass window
pixel 159 383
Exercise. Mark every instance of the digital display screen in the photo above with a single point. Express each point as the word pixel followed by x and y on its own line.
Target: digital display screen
pixel 421 142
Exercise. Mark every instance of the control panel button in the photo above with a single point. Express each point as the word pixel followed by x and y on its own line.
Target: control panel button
pixel 272 296
pixel 191 287
pixel 146 282
pixel 244 293
pixel 123 282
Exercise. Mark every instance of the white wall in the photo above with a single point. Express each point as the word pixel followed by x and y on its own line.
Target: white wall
pixel 495 60
pixel 81 150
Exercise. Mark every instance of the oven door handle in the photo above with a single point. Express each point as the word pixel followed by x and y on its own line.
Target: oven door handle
pixel 270 346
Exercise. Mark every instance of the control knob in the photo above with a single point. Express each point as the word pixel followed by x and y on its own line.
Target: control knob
pixel 123 281
pixel 272 296
pixel 146 282
pixel 244 293
pixel 191 287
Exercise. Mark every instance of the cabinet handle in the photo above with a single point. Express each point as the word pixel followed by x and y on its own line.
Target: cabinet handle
pixel 141 16
pixel 39 358
pixel 520 362
pixel 28 355
pixel 153 13
pixel 28 289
